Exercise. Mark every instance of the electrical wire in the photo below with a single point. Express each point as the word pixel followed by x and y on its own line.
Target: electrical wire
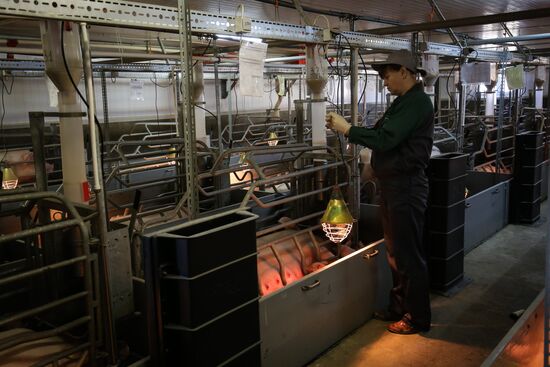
pixel 205 50
pixel 202 108
pixel 452 102
pixel 8 91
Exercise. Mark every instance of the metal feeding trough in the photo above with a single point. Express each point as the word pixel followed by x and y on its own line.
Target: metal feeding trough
pixel 300 321
pixel 486 205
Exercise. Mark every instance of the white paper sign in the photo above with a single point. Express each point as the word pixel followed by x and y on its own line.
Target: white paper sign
pixel 136 90
pixel 251 68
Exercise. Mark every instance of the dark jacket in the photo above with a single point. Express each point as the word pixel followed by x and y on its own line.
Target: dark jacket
pixel 401 141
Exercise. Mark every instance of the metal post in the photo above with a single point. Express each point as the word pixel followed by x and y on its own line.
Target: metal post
pixel 300 85
pixel 99 192
pixel 342 93
pixel 299 182
pixel 177 101
pixel 500 119
pixel 221 181
pixel 354 187
pixel 187 111
pixel 217 91
pixel 49 247
pixel 36 120
pixel 289 105
pixel 461 116
pixel 105 106
pixel 230 113
pixel 299 110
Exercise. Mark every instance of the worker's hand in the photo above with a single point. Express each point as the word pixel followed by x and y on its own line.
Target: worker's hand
pixel 337 123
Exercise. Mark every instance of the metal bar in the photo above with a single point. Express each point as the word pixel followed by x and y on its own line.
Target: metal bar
pixel 37 230
pixel 290 236
pixel 42 270
pixel 99 193
pixel 301 252
pixel 461 116
pixel 462 22
pixel 24 195
pixel 510 34
pixel 36 120
pixel 38 310
pixel 354 187
pixel 187 111
pixel 105 105
pixel 271 204
pixel 145 142
pixel 500 119
pixel 65 353
pixel 29 337
pixel 218 108
pixel 286 224
pixel 442 17
pixel 282 271
pixel 299 111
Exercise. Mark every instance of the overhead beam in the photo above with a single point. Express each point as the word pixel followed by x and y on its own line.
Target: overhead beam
pixel 463 22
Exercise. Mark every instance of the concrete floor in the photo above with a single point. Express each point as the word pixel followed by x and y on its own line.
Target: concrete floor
pixel 506 272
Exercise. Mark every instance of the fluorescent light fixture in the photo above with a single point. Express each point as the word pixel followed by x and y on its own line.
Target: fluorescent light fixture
pixel 239 38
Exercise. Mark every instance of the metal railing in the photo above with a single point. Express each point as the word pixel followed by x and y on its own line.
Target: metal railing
pixel 34 236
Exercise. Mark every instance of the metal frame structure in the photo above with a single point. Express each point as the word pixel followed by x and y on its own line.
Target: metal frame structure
pixel 187 110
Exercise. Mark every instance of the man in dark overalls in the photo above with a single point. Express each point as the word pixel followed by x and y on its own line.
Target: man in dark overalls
pixel 401 143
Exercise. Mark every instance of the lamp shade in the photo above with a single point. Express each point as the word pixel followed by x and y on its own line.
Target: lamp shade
pixel 337 220
pixel 9 179
pixel 272 139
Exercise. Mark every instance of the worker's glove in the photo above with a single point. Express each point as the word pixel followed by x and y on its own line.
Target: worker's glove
pixel 337 123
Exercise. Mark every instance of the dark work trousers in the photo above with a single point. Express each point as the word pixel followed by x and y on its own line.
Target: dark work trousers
pixel 403 204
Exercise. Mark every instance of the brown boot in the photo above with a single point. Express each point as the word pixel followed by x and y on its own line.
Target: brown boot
pixel 405 327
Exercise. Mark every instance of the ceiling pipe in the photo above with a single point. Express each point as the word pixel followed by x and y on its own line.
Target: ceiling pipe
pixel 148 56
pixel 463 22
pixel 495 41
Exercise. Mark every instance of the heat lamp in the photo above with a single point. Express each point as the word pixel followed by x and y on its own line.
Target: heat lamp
pixel 272 139
pixel 9 179
pixel 337 220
